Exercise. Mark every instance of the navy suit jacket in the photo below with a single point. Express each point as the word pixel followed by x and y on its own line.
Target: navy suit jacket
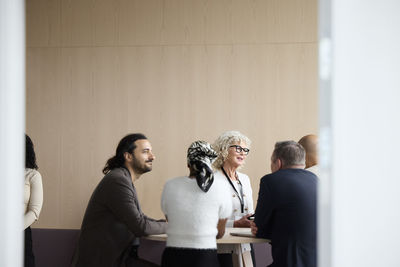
pixel 286 214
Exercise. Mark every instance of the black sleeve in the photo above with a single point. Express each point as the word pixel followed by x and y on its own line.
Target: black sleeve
pixel 264 210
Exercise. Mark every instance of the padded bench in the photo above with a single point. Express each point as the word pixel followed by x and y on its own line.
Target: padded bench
pixel 55 248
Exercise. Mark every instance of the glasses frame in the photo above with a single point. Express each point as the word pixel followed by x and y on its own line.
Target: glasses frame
pixel 239 149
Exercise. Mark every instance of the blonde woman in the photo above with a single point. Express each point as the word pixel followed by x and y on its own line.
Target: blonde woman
pixel 232 148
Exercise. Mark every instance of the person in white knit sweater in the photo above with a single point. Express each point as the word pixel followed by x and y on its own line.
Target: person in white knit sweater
pixel 196 207
pixel 33 199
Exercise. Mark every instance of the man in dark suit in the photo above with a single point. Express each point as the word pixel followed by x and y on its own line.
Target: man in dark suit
pixel 113 219
pixel 286 208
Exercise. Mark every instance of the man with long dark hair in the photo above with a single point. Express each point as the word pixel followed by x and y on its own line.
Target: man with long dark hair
pixel 113 220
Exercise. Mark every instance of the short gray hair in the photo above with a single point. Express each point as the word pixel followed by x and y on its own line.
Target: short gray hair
pixel 221 145
pixel 290 153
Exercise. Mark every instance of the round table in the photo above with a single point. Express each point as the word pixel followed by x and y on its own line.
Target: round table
pixel 241 257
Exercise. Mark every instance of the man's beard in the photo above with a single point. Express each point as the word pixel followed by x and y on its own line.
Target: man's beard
pixel 141 168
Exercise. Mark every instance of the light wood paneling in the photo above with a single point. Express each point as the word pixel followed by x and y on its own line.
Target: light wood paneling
pixel 43 22
pixel 175 70
pixel 287 20
pixel 77 20
pixel 169 22
pixel 43 123
pixel 105 22
pixel 140 22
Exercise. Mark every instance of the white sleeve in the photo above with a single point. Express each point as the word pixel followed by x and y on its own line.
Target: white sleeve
pixel 249 196
pixel 35 200
pixel 164 198
pixel 225 210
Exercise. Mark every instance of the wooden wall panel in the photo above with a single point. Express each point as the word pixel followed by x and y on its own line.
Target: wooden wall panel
pixel 77 17
pixel 43 22
pixel 169 22
pixel 287 20
pixel 176 70
pixel 105 22
pixel 43 113
pixel 140 22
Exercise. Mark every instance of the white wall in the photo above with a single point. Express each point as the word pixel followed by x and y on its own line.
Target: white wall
pixel 12 120
pixel 360 131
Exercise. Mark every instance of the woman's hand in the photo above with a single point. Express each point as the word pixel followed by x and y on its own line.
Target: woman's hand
pixel 242 222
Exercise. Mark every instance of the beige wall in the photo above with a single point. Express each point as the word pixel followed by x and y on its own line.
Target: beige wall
pixel 175 70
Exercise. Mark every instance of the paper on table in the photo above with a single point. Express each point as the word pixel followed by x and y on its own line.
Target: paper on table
pixel 245 232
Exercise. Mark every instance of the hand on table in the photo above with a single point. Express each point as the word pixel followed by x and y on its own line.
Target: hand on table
pixel 243 222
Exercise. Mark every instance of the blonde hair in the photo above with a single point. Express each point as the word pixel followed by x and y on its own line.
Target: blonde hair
pixel 221 145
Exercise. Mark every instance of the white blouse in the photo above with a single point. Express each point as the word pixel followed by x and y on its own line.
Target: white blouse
pixel 247 196
pixel 33 196
pixel 236 206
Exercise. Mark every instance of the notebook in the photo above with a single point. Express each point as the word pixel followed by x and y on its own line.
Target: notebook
pixel 243 233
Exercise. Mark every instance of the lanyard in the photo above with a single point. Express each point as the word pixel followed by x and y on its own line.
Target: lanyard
pixel 236 192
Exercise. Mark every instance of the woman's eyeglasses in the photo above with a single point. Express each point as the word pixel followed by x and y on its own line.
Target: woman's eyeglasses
pixel 239 149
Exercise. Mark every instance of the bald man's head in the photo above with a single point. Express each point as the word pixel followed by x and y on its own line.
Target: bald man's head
pixel 310 144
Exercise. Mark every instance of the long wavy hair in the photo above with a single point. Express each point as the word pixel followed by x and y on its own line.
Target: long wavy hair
pixel 127 144
pixel 30 156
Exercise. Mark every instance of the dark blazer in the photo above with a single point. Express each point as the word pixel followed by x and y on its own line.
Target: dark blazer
pixel 113 220
pixel 286 214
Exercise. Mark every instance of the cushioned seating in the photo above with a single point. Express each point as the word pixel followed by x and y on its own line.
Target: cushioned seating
pixel 55 248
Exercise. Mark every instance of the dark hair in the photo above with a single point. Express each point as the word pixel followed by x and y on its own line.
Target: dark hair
pixel 290 153
pixel 30 156
pixel 127 144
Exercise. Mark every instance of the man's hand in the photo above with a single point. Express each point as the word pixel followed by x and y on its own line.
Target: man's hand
pixel 254 228
pixel 243 222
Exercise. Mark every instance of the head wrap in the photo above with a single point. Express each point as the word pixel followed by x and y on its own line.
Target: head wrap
pixel 200 156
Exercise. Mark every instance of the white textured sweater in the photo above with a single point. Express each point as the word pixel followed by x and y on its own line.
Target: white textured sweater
pixel 193 214
pixel 33 196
